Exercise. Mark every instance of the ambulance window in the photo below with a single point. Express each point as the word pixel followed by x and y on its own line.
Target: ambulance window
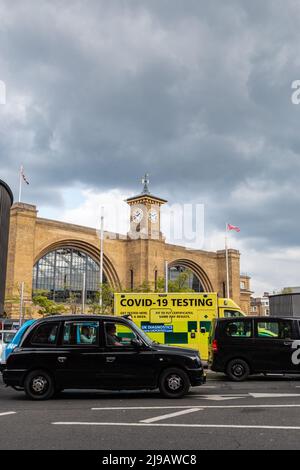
pixel 232 314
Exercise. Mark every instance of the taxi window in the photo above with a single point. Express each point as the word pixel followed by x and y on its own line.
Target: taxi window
pixel 118 335
pixel 238 329
pixel 45 334
pixel 83 333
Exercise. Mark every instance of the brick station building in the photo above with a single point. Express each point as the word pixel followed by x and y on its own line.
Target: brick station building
pixel 52 256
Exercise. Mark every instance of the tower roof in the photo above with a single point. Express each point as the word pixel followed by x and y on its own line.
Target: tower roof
pixel 145 196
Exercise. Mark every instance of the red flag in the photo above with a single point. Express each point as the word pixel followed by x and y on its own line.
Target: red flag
pixel 233 227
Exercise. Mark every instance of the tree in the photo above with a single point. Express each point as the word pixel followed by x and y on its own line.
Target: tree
pixel 107 301
pixel 73 302
pixel 47 306
pixel 178 285
pixel 12 304
pixel 144 287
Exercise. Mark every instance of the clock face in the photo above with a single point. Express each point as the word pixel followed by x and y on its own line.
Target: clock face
pixel 137 215
pixel 153 216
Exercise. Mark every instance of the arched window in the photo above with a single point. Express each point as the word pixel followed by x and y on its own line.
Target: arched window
pixel 192 281
pixel 61 273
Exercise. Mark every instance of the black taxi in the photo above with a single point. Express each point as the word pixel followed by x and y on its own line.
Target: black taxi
pixel 98 352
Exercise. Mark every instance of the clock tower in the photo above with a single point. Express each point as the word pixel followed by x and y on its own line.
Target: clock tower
pixel 145 214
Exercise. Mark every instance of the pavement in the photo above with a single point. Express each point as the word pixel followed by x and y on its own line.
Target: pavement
pixel 262 413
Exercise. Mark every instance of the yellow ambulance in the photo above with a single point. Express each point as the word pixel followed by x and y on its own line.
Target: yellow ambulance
pixel 181 319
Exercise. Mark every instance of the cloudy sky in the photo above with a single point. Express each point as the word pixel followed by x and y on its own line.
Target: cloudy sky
pixel 196 93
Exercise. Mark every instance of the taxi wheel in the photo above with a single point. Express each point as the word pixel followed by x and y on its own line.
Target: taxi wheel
pixel 238 370
pixel 39 385
pixel 174 383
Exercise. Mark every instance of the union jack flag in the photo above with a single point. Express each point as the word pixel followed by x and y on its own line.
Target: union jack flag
pixel 23 175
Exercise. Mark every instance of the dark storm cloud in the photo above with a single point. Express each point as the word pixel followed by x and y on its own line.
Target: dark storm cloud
pixel 195 92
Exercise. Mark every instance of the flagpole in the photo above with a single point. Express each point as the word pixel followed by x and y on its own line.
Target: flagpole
pixel 101 260
pixel 227 265
pixel 166 277
pixel 21 303
pixel 83 292
pixel 20 183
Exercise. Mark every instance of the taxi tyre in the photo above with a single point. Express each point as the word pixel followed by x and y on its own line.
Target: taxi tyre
pixel 39 385
pixel 238 370
pixel 174 383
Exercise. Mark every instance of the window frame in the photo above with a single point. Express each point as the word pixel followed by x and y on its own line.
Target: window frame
pixel 238 313
pixel 119 348
pixel 50 269
pixel 97 344
pixel 235 320
pixel 273 320
pixel 29 340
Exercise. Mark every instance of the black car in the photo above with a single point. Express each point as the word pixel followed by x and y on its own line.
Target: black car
pixel 251 345
pixel 98 352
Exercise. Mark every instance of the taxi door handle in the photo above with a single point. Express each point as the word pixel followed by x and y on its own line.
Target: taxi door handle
pixel 111 359
pixel 61 359
pixel 287 343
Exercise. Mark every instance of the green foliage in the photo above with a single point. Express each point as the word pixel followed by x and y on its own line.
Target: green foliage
pixel 181 283
pixel 160 285
pixel 107 301
pixel 47 306
pixel 144 287
pixel 178 285
pixel 73 302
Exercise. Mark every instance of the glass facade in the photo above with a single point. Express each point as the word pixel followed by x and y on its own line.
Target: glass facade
pixel 61 273
pixel 192 281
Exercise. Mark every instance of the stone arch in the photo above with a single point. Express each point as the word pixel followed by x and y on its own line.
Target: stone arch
pixel 197 270
pixel 90 250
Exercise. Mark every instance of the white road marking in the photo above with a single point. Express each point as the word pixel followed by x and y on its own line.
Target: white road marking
pixel 170 415
pixel 222 397
pixel 8 413
pixel 145 407
pixel 251 406
pixel 274 395
pixel 202 407
pixel 173 425
pixel 208 386
pixel 233 396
